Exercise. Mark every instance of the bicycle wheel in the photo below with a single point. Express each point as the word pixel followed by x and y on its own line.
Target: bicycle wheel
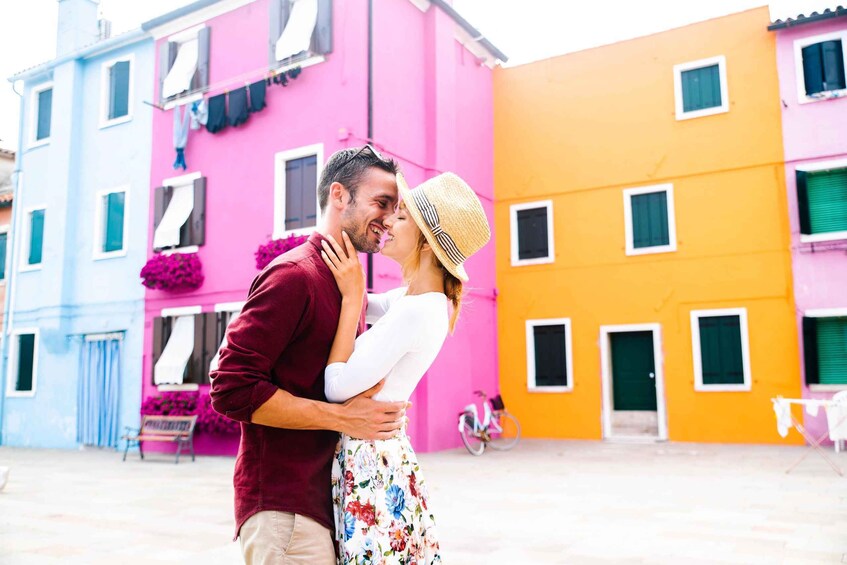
pixel 473 443
pixel 505 431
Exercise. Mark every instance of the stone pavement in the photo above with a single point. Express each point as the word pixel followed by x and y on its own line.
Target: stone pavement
pixel 544 502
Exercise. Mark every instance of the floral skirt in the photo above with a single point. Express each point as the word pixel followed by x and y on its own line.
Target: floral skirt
pixel 381 505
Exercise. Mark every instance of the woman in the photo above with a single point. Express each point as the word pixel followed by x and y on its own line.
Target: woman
pixel 381 507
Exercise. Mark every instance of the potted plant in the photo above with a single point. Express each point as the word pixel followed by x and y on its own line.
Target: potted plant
pixel 175 272
pixel 274 248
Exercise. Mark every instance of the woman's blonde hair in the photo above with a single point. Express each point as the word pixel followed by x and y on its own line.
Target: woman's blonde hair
pixel 452 285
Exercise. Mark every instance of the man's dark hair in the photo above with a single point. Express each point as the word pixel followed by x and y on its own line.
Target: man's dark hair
pixel 347 167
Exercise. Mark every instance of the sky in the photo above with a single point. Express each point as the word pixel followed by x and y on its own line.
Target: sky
pixel 537 30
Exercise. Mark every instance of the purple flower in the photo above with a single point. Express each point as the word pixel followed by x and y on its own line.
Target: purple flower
pixel 276 247
pixel 174 272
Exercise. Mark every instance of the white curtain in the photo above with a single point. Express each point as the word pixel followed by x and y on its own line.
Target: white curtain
pixel 179 210
pixel 297 34
pixel 183 69
pixel 171 364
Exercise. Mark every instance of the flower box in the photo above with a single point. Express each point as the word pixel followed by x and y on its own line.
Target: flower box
pixel 175 272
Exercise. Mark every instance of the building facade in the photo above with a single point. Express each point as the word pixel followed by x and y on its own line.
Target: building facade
pixel 404 76
pixel 72 357
pixel 7 168
pixel 811 55
pixel 643 263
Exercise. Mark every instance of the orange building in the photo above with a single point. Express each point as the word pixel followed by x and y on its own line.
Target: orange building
pixel 644 271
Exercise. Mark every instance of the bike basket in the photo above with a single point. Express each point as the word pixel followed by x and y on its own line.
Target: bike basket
pixel 497 403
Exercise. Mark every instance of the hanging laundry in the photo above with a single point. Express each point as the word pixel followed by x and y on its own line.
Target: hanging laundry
pixel 182 121
pixel 237 112
pixel 257 96
pixel 281 79
pixel 295 72
pixel 199 114
pixel 217 113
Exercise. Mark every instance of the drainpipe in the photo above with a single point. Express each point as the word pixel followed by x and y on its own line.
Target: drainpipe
pixel 370 113
pixel 11 263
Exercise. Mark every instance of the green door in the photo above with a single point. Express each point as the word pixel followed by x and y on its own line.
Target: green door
pixel 633 371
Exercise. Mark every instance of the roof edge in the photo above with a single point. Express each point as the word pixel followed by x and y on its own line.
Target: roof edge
pixel 475 34
pixel 811 18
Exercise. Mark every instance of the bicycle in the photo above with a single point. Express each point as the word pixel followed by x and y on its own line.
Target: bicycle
pixel 498 428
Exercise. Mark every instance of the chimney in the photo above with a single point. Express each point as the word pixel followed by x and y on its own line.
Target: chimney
pixel 78 25
pixel 105 29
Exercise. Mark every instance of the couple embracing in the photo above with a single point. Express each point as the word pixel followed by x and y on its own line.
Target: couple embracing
pixel 298 367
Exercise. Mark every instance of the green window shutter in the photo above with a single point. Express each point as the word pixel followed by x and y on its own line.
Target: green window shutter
pixel 833 65
pixel 650 219
pixel 114 239
pixel 827 194
pixel 532 233
pixel 26 362
pixel 550 356
pixel 3 242
pixel 832 350
pixel 36 237
pixel 720 350
pixel 701 88
pixel 803 202
pixel 813 69
pixel 119 90
pixel 45 110
pixel 810 350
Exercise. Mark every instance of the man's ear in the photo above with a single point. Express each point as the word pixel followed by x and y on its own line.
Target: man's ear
pixel 337 194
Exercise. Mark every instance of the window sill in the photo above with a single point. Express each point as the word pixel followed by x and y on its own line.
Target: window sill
pixel 307 62
pixel 550 389
pixel 722 388
pixel 110 255
pixel 528 262
pixel 186 249
pixel 827 388
pixel 20 394
pixel 30 268
pixel 178 388
pixel 39 143
pixel 632 251
pixel 299 232
pixel 116 121
pixel 823 96
pixel 702 113
pixel 821 237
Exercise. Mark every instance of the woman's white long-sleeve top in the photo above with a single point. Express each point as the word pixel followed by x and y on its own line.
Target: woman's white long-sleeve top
pixel 407 334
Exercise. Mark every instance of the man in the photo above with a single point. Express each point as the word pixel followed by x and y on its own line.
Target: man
pixel 270 375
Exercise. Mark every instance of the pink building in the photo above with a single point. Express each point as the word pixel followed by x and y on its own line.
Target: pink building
pixel 811 55
pixel 406 75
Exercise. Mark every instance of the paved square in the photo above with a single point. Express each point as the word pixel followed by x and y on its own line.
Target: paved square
pixel 544 502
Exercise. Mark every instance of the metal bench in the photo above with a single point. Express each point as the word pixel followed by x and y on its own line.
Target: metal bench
pixel 175 429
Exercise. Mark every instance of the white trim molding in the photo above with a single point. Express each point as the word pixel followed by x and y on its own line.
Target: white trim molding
pixel 607 378
pixel 34 110
pixel 26 240
pixel 11 382
pixel 100 226
pixel 105 89
pixel 530 355
pixel 280 159
pixel 181 311
pixel 800 75
pixel 513 233
pixel 699 386
pixel 229 306
pixel 681 114
pixel 627 206
pixel 825 313
pixel 819 167
pixel 196 17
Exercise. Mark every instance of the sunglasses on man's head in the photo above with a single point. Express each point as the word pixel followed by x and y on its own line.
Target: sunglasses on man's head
pixel 361 151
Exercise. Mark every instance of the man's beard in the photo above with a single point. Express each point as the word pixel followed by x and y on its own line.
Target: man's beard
pixel 359 234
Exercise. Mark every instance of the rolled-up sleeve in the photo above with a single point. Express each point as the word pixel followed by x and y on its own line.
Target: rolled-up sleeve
pixel 275 307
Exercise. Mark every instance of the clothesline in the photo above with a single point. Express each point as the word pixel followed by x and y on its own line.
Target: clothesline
pixel 247 77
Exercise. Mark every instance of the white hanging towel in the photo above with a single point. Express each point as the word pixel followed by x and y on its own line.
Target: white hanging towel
pixel 171 365
pixel 183 69
pixel 836 419
pixel 179 210
pixel 783 416
pixel 297 34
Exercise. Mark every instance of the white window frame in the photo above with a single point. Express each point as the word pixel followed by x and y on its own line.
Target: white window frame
pixel 513 215
pixel 26 240
pixel 719 60
pixel 13 364
pixel 33 116
pixel 100 224
pixel 188 96
pixel 173 313
pixel 105 84
pixel 826 313
pixel 530 355
pixel 5 229
pixel 627 206
pixel 800 75
pixel 699 386
pixel 174 182
pixel 280 159
pixel 816 168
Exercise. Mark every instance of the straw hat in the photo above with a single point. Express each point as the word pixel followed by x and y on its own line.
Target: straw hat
pixel 450 216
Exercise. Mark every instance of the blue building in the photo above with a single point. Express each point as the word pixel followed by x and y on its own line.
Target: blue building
pixel 71 357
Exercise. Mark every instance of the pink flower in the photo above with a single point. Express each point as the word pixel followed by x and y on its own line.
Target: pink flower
pixel 174 272
pixel 276 247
